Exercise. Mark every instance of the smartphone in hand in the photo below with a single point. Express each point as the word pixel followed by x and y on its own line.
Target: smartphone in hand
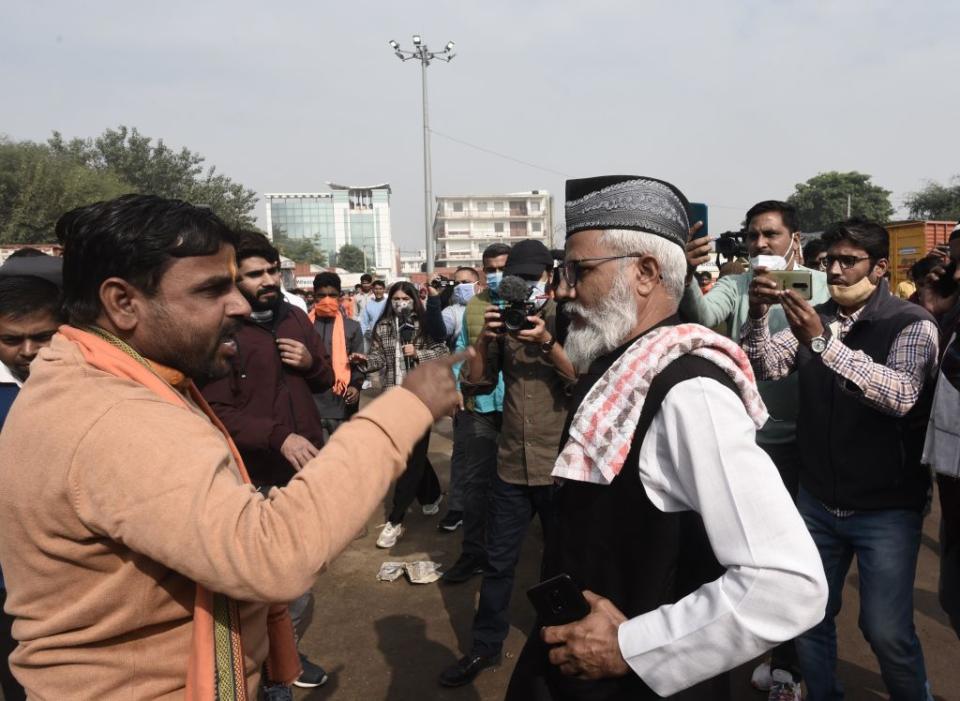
pixel 558 601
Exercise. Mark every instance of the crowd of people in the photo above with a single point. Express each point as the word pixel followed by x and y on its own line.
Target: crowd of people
pixel 193 435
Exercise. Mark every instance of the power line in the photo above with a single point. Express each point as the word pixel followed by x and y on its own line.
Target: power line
pixel 499 155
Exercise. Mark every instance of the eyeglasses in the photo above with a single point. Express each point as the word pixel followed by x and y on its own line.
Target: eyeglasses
pixel 846 262
pixel 573 270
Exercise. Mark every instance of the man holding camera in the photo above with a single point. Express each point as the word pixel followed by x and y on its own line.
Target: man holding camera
pixel 773 240
pixel 518 338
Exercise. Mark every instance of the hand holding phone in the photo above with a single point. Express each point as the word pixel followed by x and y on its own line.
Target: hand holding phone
pixel 558 601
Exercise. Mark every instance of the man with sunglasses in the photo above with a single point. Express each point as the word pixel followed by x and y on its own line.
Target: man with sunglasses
pixel 865 362
pixel 773 240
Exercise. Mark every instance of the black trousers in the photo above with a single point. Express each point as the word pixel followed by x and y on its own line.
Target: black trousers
pixel 12 691
pixel 786 457
pixel 419 482
pixel 949 488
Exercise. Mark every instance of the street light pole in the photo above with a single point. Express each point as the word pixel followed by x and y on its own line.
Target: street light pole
pixel 424 55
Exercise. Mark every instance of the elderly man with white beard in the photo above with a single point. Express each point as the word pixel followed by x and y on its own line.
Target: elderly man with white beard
pixel 676 526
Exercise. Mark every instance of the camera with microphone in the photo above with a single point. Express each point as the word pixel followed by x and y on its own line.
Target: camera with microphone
pixel 516 304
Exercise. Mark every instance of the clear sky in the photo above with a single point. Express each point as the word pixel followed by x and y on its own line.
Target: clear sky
pixel 733 102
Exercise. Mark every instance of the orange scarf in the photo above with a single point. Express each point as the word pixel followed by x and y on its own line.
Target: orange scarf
pixel 216 664
pixel 328 308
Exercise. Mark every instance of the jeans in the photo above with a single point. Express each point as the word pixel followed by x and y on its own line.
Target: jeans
pixel 886 544
pixel 479 469
pixel 462 429
pixel 512 506
pixel 786 458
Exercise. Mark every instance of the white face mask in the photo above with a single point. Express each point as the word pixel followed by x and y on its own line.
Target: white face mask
pixel 400 304
pixel 773 262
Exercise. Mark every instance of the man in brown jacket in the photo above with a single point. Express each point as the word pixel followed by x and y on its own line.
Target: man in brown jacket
pixel 119 507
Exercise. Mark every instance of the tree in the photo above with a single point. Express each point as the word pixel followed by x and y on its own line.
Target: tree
pixel 299 250
pixel 936 201
pixel 822 200
pixel 38 185
pixel 351 258
pixel 159 170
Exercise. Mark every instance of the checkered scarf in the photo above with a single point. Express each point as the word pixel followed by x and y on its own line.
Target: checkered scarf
pixel 603 427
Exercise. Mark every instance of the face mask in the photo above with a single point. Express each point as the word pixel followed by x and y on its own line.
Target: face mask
pixel 463 292
pixel 400 304
pixel 493 280
pixel 773 262
pixel 538 295
pixel 327 307
pixel 852 295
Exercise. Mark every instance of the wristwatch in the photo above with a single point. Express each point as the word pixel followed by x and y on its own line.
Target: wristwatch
pixel 818 344
pixel 546 347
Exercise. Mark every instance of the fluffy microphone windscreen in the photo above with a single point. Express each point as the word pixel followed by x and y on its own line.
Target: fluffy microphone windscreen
pixel 513 289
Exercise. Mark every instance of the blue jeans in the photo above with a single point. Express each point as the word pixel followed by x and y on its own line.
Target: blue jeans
pixel 886 544
pixel 512 507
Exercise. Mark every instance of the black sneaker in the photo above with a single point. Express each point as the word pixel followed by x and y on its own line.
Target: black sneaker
pixel 451 521
pixel 464 568
pixel 466 669
pixel 313 674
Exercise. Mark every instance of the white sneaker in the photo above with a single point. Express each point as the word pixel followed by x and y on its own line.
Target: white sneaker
pixel 762 680
pixel 389 535
pixel 434 508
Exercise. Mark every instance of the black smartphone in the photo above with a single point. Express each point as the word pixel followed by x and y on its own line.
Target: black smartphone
pixel 698 212
pixel 558 601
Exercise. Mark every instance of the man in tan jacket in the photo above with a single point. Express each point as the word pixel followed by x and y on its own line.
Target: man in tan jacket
pixel 127 531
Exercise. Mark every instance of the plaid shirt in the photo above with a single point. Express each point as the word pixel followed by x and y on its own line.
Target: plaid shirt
pixel 892 388
pixel 384 349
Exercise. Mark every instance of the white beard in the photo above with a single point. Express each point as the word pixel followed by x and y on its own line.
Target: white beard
pixel 594 332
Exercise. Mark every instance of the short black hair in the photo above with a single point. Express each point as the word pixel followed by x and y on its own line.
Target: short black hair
pixel 26 252
pixel 253 244
pixel 788 213
pixel 366 277
pixel 814 248
pixel 495 250
pixel 863 233
pixel 922 268
pixel 467 269
pixel 327 280
pixel 23 295
pixel 955 234
pixel 133 237
pixel 379 283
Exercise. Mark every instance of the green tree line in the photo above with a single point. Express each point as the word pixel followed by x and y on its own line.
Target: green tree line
pixel 39 182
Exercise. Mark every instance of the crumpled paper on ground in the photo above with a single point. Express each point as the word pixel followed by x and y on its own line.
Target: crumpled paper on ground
pixel 418 572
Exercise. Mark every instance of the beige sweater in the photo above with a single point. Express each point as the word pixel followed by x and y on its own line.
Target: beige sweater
pixel 113 503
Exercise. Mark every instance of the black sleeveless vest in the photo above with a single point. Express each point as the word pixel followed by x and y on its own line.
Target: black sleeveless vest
pixel 613 541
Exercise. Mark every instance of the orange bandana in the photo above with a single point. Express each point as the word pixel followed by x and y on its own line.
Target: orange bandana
pixel 328 308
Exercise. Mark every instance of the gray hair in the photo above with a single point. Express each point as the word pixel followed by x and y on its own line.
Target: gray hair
pixel 672 259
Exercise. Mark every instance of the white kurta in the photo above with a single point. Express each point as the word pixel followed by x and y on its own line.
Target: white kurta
pixel 700 454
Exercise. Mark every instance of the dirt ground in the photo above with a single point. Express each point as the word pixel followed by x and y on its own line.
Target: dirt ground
pixel 388 641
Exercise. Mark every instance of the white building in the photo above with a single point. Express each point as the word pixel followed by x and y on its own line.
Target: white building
pixel 354 214
pixel 467 224
pixel 412 261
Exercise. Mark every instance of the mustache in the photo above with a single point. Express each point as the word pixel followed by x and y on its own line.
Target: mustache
pixel 230 329
pixel 268 290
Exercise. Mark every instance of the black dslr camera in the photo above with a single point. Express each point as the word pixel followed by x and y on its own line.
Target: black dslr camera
pixel 441 282
pixel 732 244
pixel 515 304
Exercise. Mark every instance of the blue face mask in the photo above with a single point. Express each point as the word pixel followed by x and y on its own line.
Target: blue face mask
pixel 464 292
pixel 493 280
